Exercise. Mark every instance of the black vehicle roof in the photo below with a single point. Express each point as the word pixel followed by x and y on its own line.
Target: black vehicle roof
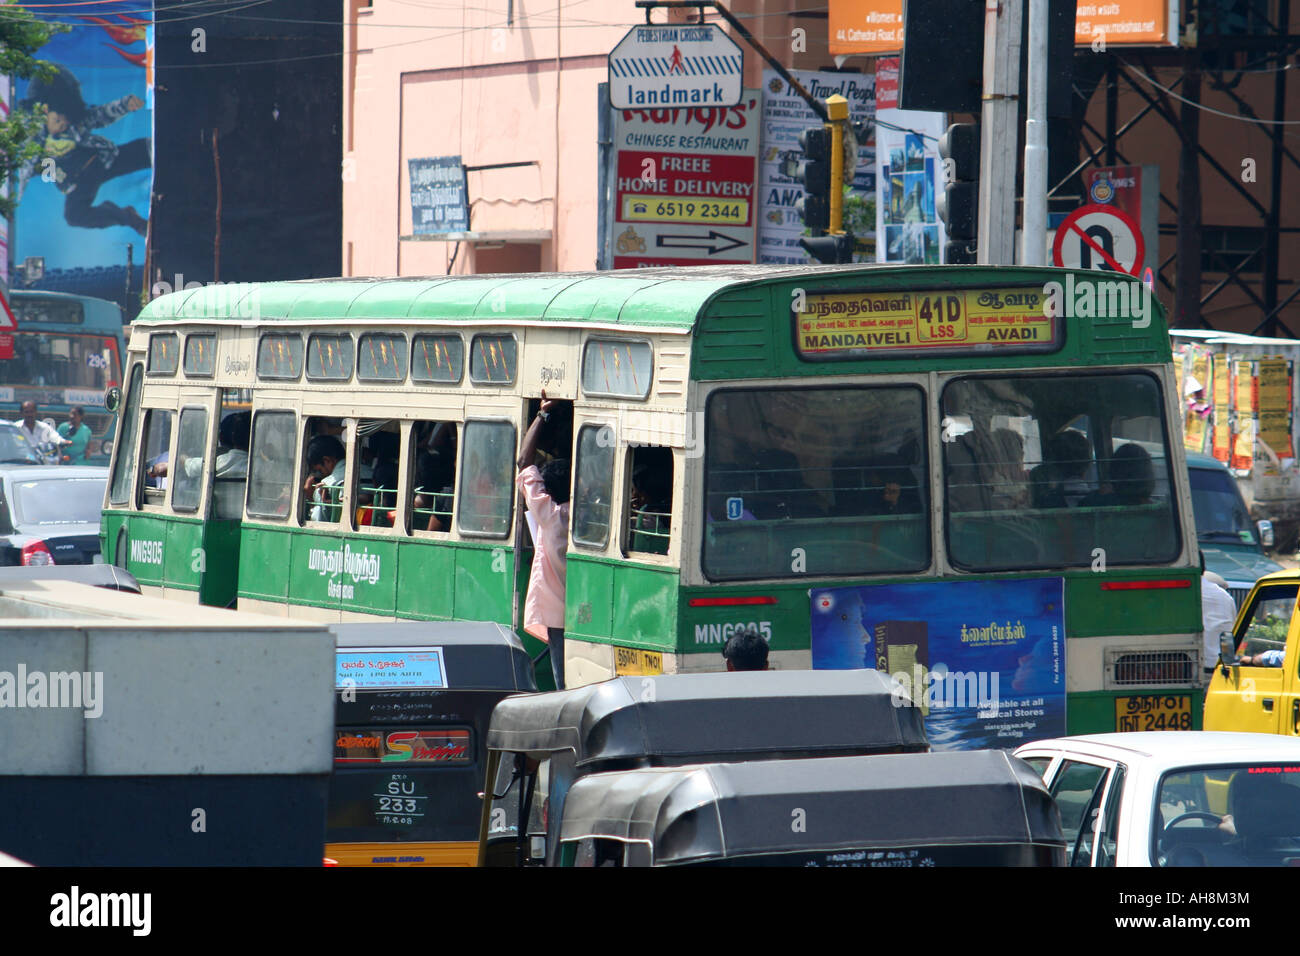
pixel 477 655
pixel 675 718
pixel 720 811
pixel 99 575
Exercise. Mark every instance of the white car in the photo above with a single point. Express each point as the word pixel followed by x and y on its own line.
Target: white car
pixel 1188 798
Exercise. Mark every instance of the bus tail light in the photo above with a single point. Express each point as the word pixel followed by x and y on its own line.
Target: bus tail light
pixel 729 601
pixel 36 554
pixel 1161 585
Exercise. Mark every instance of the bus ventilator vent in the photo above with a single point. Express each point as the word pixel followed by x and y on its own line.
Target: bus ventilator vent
pixel 1127 668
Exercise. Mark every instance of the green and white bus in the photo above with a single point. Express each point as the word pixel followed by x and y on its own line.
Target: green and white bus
pixel 865 464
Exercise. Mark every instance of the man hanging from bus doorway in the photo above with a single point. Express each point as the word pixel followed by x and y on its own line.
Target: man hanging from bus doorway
pixel 77 432
pixel 546 493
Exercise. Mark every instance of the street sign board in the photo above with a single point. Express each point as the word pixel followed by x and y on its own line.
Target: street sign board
pixel 684 185
pixel 7 326
pixel 684 65
pixel 1099 237
pixel 439 195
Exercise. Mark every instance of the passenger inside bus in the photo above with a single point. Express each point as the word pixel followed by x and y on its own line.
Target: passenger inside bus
pixel 431 506
pixel 650 510
pixel 1132 480
pixel 377 491
pixel 326 467
pixel 1062 480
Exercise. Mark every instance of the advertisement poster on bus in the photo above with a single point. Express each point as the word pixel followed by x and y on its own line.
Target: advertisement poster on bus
pixel 985 660
pixel 685 185
pixel 86 196
pixel 908 171
pixel 785 116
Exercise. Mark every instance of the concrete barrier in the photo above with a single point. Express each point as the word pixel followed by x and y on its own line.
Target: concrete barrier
pixel 137 731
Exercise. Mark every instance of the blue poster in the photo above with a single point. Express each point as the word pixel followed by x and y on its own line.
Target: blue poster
pixel 985 660
pixel 86 196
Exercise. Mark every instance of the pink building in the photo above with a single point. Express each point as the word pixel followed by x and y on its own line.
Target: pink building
pixel 506 81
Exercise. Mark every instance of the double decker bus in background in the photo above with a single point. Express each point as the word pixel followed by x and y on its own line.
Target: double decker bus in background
pixel 957 475
pixel 67 351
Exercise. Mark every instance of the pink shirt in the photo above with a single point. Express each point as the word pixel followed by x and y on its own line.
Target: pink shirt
pixel 544 605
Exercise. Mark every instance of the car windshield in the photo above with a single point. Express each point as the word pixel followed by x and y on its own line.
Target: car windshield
pixel 1229 815
pixel 47 501
pixel 1220 513
pixel 14 449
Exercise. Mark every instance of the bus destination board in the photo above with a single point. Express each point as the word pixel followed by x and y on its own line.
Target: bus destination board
pixel 843 325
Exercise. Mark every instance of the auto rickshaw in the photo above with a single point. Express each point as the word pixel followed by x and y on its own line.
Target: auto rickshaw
pixel 412 710
pixel 958 808
pixel 539 745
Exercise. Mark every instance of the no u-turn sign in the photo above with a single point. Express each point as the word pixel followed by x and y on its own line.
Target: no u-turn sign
pixel 1099 237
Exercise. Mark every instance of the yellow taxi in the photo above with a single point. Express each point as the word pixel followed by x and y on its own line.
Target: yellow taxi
pixel 1256 685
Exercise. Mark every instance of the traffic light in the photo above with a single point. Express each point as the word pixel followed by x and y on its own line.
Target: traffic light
pixel 958 205
pixel 814 172
pixel 830 250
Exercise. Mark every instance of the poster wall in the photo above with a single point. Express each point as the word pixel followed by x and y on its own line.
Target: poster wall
pixel 985 660
pixel 785 116
pixel 876 26
pixel 908 229
pixel 87 195
pixel 685 185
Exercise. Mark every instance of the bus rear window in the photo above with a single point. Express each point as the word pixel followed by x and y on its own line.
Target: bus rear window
pixel 200 355
pixel 1044 471
pixel 279 357
pixel 437 358
pixel 382 357
pixel 493 360
pixel 164 353
pixel 815 481
pixel 63 360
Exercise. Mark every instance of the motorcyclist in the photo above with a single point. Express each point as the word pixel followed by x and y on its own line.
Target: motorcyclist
pixel 42 436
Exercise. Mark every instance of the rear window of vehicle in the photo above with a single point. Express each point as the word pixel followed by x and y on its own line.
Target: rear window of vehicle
pixel 50 501
pixel 14 449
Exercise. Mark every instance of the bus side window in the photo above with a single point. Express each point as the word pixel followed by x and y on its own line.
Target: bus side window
pixel 230 472
pixel 324 469
pixel 271 474
pixel 593 485
pixel 377 445
pixel 487 481
pixel 157 441
pixel 191 449
pixel 650 499
pixel 124 461
pixel 432 486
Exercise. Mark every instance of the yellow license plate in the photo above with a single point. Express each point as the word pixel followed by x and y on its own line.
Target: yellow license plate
pixel 631 660
pixel 1153 712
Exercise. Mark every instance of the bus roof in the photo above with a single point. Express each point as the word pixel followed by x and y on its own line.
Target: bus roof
pixel 957 798
pixel 671 298
pixel 672 717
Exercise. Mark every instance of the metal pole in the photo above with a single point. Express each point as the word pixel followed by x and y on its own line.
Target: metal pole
pixel 1033 235
pixel 604 148
pixel 997 194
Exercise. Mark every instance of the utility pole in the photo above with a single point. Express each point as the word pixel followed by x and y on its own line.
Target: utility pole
pixel 997 194
pixel 1033 219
